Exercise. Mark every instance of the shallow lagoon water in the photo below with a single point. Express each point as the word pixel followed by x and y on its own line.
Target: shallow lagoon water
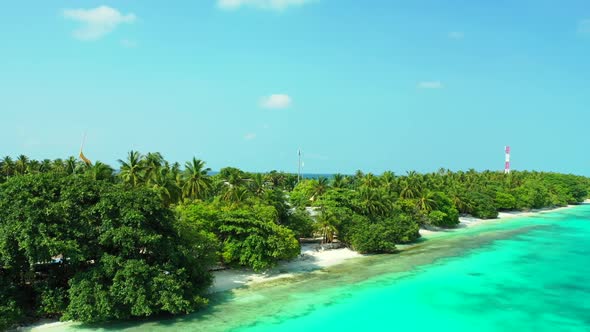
pixel 525 274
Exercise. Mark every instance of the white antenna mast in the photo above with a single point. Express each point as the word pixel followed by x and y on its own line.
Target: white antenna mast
pixel 299 166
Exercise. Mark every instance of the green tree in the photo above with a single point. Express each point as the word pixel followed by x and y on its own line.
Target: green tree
pixel 326 225
pixel 58 166
pixel 504 201
pixel 250 241
pixel 300 222
pixel 302 193
pixel 320 186
pixel 482 205
pixel 197 182
pixel 370 181
pixel 163 182
pixel 258 185
pixel 45 166
pixel 338 181
pixel 388 181
pixel 373 238
pixel 7 167
pixel 426 202
pixel 71 165
pixel 372 202
pixel 100 171
pixel 444 213
pixel 122 254
pixel 21 165
pixel 153 162
pixel 133 169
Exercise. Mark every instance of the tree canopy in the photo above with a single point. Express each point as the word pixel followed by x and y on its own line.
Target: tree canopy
pixel 95 251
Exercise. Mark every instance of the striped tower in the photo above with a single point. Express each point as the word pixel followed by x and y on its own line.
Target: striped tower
pixel 507 164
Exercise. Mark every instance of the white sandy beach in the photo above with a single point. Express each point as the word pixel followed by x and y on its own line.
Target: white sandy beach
pixel 468 221
pixel 312 259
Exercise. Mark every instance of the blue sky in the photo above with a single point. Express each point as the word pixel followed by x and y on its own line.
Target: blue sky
pixel 371 85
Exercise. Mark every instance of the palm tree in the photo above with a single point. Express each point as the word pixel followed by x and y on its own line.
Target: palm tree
pixel 234 177
pixel 358 176
pixel 132 170
pixel 373 202
pixel 435 181
pixel 471 178
pixel 71 164
pixel 2 175
pixel 163 181
pixel 34 166
pixel 426 202
pixel 369 180
pixel 289 182
pixel 100 171
pixel 326 226
pixel 234 185
pixel 58 166
pixel 457 195
pixel 152 162
pixel 276 178
pixel 411 185
pixel 21 165
pixel 7 167
pixel 320 187
pixel 338 180
pixel 235 194
pixel 45 166
pixel 175 172
pixel 258 184
pixel 407 191
pixel 196 180
pixel 389 182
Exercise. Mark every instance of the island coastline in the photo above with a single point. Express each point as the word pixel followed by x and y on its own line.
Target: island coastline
pixel 315 259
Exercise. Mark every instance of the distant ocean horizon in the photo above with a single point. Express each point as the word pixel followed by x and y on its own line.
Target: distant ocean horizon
pixel 303 175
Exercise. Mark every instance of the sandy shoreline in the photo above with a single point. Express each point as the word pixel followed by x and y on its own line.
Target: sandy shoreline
pixel 468 221
pixel 312 259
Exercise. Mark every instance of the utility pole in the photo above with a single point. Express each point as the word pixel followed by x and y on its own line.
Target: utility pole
pixel 299 166
pixel 507 160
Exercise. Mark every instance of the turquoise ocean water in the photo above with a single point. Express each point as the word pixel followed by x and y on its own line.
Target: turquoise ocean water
pixel 526 274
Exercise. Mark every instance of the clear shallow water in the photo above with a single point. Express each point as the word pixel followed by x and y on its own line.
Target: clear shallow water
pixel 529 274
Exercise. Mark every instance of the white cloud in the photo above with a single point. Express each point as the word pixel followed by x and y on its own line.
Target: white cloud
pixel 430 85
pixel 277 5
pixel 276 101
pixel 250 136
pixel 456 35
pixel 584 26
pixel 97 22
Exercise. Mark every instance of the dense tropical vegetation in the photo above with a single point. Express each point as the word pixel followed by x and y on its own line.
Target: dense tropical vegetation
pixel 85 242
